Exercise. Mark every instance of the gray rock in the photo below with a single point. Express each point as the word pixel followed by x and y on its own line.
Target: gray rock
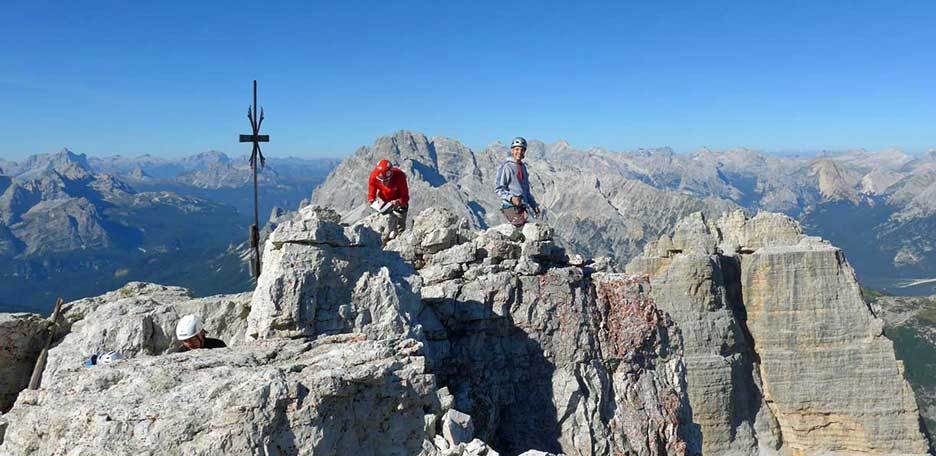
pixel 140 319
pixel 782 355
pixel 528 266
pixel 535 232
pixel 457 427
pixel 509 231
pixel 493 245
pixel 539 357
pixel 446 400
pixel 603 264
pixel 436 273
pixel 339 283
pixel 833 382
pixel 701 293
pixel 338 395
pixel 463 253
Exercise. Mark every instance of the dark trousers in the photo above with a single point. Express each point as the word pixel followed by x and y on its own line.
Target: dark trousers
pixel 398 219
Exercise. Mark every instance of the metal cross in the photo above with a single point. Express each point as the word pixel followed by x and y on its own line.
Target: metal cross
pixel 256 157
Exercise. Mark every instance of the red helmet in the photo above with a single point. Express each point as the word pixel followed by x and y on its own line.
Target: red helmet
pixel 383 170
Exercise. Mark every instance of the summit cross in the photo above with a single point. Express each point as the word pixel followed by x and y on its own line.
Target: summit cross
pixel 256 158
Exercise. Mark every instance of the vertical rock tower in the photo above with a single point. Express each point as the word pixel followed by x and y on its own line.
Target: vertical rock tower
pixel 782 353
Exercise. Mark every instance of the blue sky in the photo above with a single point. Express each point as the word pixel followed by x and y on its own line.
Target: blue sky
pixel 173 78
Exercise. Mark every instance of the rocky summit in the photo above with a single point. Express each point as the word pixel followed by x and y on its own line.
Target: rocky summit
pixel 739 336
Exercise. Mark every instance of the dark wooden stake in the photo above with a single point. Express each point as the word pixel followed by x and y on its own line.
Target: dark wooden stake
pixel 44 354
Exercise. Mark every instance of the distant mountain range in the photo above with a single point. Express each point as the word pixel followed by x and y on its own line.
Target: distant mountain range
pixel 73 226
pixel 879 206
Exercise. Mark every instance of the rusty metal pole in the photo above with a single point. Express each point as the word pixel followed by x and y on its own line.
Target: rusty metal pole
pixel 256 159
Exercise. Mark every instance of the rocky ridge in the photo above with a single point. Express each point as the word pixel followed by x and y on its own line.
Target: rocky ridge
pixel 339 336
pixel 452 341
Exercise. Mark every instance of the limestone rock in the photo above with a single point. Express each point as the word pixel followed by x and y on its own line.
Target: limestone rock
pixel 833 383
pixel 533 232
pixel 460 254
pixel 320 277
pixel 702 294
pixel 509 231
pixel 457 427
pixel 782 354
pixel 494 245
pixel 534 350
pixel 338 395
pixel 140 319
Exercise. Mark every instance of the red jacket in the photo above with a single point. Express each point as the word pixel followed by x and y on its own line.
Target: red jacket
pixel 388 191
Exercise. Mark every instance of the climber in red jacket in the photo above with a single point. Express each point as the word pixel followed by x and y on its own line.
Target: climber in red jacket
pixel 389 185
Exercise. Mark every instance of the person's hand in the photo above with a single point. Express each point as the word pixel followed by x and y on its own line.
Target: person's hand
pixel 396 203
pixel 537 211
pixel 515 200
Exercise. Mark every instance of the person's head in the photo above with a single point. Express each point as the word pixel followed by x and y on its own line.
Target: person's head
pixel 384 170
pixel 189 331
pixel 518 148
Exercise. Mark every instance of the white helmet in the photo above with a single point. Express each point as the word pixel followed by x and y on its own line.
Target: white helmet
pixel 188 327
pixel 110 357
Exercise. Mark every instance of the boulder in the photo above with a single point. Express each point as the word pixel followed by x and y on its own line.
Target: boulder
pixel 493 245
pixel 460 254
pixel 457 427
pixel 328 278
pixel 537 232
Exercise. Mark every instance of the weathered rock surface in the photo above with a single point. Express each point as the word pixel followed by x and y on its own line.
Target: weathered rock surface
pixel 562 359
pixel 832 382
pixel 140 319
pixel 450 342
pixel 22 337
pixel 782 353
pixel 337 395
pixel 320 277
pixel 567 360
pixel 136 319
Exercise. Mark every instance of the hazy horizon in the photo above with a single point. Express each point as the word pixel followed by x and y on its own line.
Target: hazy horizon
pixel 273 154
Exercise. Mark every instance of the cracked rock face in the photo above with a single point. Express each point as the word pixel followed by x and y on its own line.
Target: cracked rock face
pixel 337 395
pixel 320 277
pixel 732 339
pixel 832 382
pixel 551 356
pixel 782 353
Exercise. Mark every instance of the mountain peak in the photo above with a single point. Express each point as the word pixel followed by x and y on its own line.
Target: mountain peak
pixel 64 162
pixel 203 159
